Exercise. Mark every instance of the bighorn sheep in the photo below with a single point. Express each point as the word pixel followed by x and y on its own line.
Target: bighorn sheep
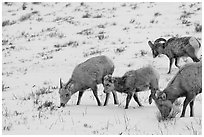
pixel 186 83
pixel 87 75
pixel 174 48
pixel 132 82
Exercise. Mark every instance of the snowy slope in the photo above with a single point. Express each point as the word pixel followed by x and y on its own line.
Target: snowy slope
pixel 45 41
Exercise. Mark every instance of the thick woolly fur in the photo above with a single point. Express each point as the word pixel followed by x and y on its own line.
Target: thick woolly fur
pixel 174 48
pixel 134 81
pixel 186 83
pixel 87 75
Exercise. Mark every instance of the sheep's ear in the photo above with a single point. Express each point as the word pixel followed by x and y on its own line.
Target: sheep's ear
pixel 113 79
pixel 71 86
pixel 60 83
pixel 155 95
pixel 163 96
pixel 151 44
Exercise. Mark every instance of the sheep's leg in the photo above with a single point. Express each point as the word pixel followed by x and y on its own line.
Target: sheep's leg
pixel 191 108
pixel 107 94
pixel 176 62
pixel 150 98
pixel 129 96
pixel 152 95
pixel 170 64
pixel 186 102
pixel 95 92
pixel 107 98
pixel 79 97
pixel 136 99
pixel 115 98
pixel 153 90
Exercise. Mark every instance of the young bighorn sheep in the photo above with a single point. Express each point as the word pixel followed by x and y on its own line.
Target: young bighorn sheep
pixel 132 82
pixel 174 48
pixel 186 83
pixel 87 75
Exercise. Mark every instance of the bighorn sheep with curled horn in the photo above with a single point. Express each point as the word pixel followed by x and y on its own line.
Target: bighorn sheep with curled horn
pixel 174 48
pixel 132 82
pixel 186 83
pixel 87 75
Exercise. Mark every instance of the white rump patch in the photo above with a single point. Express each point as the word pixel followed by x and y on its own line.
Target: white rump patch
pixel 194 42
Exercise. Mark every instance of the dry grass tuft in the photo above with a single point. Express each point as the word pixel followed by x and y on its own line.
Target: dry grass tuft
pixel 198 27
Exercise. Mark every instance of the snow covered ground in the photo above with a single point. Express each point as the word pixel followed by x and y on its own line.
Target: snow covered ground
pixel 42 42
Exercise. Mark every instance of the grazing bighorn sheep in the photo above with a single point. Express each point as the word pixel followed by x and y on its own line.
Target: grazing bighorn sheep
pixel 174 48
pixel 132 82
pixel 87 75
pixel 186 83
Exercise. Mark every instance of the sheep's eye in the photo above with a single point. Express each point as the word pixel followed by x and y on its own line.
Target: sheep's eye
pixel 66 95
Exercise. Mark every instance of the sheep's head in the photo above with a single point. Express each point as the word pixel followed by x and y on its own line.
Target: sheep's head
pixel 164 105
pixel 65 92
pixel 157 47
pixel 108 84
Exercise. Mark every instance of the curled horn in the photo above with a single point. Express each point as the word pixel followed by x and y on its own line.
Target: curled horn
pixel 158 40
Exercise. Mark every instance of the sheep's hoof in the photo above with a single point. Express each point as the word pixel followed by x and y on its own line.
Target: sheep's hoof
pixel 116 103
pixel 181 116
pixel 150 101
